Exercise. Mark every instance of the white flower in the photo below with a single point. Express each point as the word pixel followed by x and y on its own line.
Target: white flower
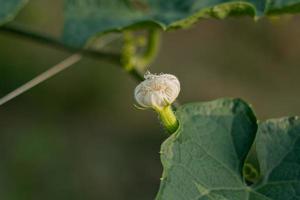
pixel 157 91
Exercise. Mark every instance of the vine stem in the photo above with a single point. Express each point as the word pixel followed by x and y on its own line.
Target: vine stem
pixel 24 32
pixel 75 58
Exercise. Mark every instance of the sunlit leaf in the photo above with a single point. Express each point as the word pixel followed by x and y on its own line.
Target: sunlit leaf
pixel 87 18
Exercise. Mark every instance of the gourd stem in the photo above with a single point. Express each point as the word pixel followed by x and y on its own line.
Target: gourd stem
pixel 168 119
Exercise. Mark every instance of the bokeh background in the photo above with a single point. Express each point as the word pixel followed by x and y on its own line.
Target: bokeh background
pixel 78 136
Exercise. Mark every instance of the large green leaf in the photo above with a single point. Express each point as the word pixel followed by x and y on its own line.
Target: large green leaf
pixel 278 151
pixel 9 8
pixel 86 18
pixel 203 160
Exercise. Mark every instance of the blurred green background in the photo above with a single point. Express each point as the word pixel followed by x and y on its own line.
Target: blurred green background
pixel 78 136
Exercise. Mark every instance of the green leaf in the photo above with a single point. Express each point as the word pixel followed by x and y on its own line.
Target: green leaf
pixel 278 152
pixel 87 18
pixel 9 9
pixel 203 160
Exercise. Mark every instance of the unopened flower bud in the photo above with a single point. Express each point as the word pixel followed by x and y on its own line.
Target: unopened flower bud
pixel 159 92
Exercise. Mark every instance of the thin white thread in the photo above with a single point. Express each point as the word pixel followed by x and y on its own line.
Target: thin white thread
pixel 66 63
pixel 42 77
